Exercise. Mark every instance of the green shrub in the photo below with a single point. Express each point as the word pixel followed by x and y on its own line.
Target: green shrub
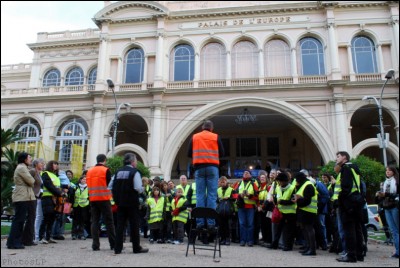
pixel 116 162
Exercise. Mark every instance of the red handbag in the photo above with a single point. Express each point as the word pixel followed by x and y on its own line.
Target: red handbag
pixel 276 215
pixel 67 208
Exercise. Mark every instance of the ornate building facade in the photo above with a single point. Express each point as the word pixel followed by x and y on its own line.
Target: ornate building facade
pixel 283 83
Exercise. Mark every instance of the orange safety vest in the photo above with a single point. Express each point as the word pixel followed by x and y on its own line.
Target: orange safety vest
pixel 205 148
pixel 97 184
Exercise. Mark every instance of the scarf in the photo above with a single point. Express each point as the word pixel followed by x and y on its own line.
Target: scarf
pixel 390 185
pixel 82 186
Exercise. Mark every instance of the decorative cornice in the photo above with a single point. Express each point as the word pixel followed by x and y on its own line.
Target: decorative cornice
pixel 64 43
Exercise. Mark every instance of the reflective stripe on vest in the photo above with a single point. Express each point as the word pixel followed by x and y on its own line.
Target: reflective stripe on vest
pixel 55 180
pixel 183 215
pixel 97 184
pixel 250 191
pixel 286 209
pixel 205 148
pixel 156 209
pixel 194 197
pixel 81 198
pixel 313 206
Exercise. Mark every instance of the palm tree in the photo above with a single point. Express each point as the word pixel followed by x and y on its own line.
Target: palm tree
pixel 7 166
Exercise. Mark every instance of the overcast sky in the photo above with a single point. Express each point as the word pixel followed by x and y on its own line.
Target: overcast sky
pixel 21 21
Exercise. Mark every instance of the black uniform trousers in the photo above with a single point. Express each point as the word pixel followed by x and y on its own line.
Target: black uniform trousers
pixel 130 213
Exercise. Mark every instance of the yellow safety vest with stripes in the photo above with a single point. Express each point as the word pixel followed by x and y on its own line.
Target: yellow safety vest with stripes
pixel 56 181
pixel 313 206
pixel 81 197
pixel 250 191
pixel 338 185
pixel 194 198
pixel 184 190
pixel 156 209
pixel 287 195
pixel 183 215
pixel 227 193
pixel 263 194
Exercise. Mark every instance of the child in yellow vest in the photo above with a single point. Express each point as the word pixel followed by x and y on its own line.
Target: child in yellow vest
pixel 154 216
pixel 80 209
pixel 179 216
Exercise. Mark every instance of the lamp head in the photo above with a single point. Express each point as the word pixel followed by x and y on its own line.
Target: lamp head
pixel 110 83
pixel 127 104
pixel 367 98
pixel 389 74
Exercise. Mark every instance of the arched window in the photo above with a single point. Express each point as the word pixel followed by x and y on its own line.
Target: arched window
pixel 182 63
pixel 363 54
pixel 244 60
pixel 29 132
pixel 311 57
pixel 213 62
pixel 92 76
pixel 71 141
pixel 277 58
pixel 74 77
pixel 52 78
pixel 134 66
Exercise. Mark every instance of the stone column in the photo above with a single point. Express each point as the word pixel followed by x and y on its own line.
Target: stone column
pixel 341 124
pixel 158 79
pixel 155 140
pixel 96 146
pixel 334 53
pixel 294 65
pixel 350 61
pixel 145 67
pixel 120 70
pixel 48 129
pixel 101 83
pixel 261 74
pixel 228 74
pixel 380 61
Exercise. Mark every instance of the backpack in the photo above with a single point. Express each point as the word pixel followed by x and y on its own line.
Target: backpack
pixel 323 197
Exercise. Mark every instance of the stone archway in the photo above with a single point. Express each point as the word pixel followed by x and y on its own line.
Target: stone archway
pixel 296 113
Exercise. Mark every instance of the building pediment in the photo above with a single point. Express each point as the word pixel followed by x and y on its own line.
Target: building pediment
pixel 126 11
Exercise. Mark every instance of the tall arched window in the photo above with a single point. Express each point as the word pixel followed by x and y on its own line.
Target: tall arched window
pixel 277 58
pixel 134 66
pixel 244 60
pixel 182 63
pixel 92 76
pixel 311 57
pixel 29 132
pixel 364 55
pixel 213 62
pixel 74 77
pixel 71 141
pixel 52 78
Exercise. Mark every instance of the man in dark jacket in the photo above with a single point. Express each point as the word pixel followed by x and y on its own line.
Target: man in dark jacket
pixel 126 189
pixel 351 219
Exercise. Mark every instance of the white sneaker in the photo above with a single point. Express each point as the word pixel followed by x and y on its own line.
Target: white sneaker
pixel 178 243
pixel 43 241
pixel 52 241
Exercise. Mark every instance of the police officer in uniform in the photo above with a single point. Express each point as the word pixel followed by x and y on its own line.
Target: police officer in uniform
pixel 126 189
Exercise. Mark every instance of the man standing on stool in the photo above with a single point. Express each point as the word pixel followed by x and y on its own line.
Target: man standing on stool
pixel 206 148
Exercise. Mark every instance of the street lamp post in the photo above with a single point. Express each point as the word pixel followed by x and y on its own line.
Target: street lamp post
pixel 382 140
pixel 116 115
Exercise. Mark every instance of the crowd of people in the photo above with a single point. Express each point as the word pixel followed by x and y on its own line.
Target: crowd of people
pixel 277 209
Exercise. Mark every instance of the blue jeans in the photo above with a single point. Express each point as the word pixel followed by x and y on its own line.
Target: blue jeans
pixel 206 190
pixel 246 222
pixel 39 218
pixel 322 226
pixel 340 230
pixel 392 218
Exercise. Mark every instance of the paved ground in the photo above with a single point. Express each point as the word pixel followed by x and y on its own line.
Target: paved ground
pixel 79 253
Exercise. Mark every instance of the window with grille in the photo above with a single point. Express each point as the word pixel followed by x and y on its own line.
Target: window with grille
pixel 71 140
pixel 74 77
pixel 52 78
pixel 29 131
pixel 364 55
pixel 213 62
pixel 134 66
pixel 311 57
pixel 182 63
pixel 244 60
pixel 277 59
